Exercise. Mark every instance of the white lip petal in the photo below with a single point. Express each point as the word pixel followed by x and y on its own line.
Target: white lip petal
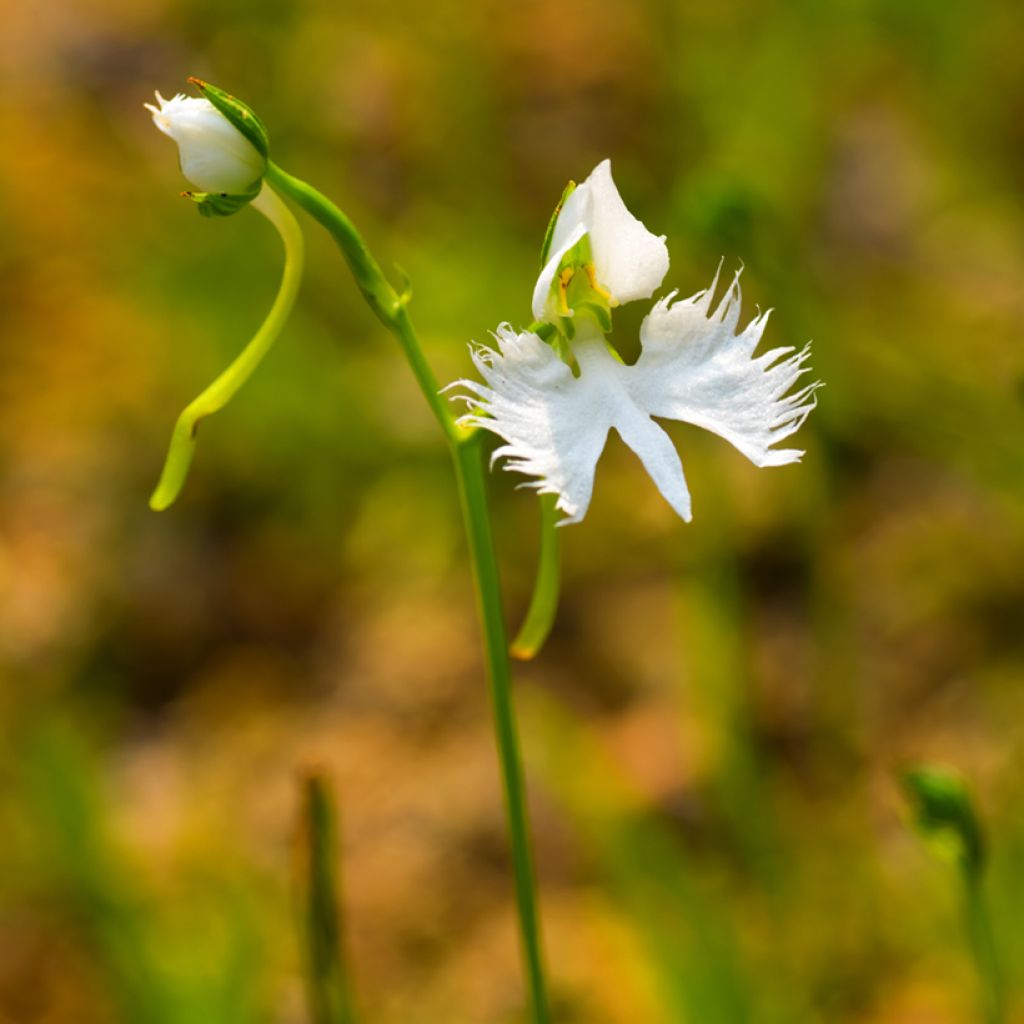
pixel 694 367
pixel 609 381
pixel 555 425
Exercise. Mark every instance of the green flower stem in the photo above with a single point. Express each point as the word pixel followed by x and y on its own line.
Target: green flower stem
pixel 387 304
pixel 469 469
pixel 390 308
pixel 222 390
pixel 541 614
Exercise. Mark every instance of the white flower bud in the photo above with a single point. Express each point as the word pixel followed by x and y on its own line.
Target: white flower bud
pixel 215 156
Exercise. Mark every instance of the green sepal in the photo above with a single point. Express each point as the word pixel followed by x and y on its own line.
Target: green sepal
pixel 222 204
pixel 944 815
pixel 546 246
pixel 240 114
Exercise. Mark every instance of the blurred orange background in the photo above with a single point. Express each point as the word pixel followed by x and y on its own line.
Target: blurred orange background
pixel 715 730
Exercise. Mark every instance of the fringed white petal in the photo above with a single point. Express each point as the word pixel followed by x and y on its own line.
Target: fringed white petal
pixel 694 367
pixel 552 422
pixel 629 261
pixel 555 425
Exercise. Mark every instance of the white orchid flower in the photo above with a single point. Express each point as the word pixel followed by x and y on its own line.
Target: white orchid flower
pixel 215 156
pixel 694 367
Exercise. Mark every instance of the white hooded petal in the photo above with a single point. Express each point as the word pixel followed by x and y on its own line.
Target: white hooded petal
pixel 555 425
pixel 694 367
pixel 215 156
pixel 542 289
pixel 629 261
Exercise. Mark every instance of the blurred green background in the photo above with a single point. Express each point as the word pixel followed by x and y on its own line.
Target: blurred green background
pixel 715 730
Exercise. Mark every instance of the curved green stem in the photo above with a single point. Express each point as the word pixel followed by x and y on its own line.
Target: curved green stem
pixel 540 616
pixel 222 390
pixel 465 446
pixel 389 305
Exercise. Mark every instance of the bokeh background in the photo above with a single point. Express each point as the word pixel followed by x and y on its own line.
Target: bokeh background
pixel 715 731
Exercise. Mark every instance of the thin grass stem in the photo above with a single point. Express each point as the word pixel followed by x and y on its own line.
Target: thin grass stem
pixel 328 984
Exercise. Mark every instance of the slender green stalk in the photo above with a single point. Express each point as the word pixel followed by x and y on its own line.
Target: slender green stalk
pixel 473 494
pixel 540 616
pixel 983 947
pixel 389 305
pixel 328 981
pixel 390 308
pixel 222 390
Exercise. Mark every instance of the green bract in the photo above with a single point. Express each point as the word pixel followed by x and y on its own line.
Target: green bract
pixel 545 248
pixel 222 204
pixel 240 114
